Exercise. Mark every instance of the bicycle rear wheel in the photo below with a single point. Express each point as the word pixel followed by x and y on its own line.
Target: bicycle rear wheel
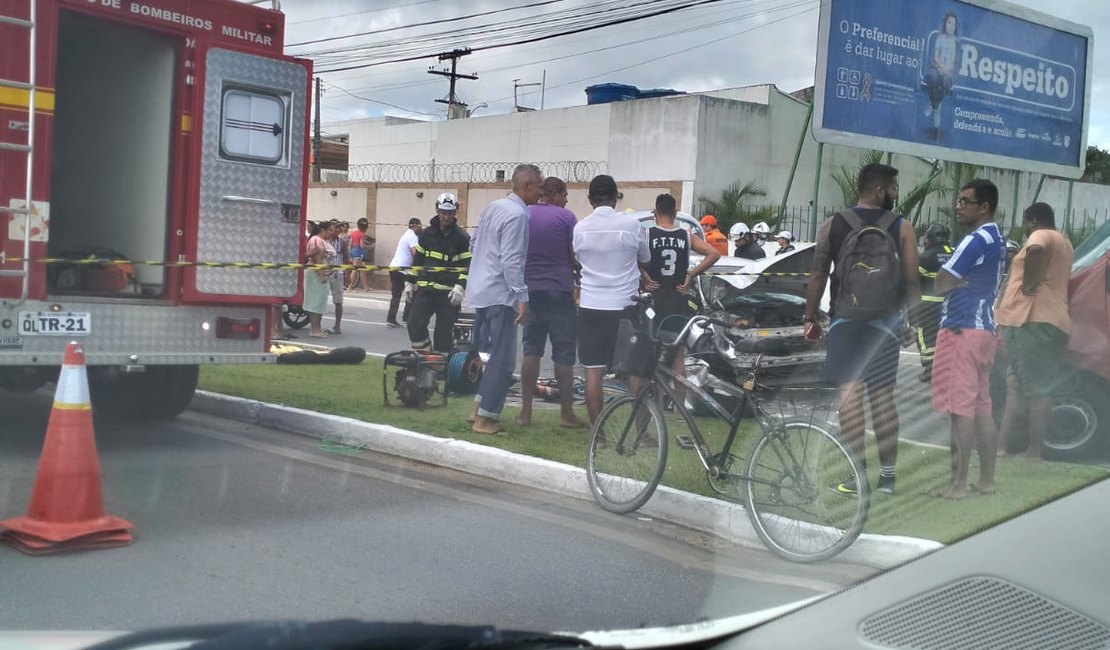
pixel 628 453
pixel 788 497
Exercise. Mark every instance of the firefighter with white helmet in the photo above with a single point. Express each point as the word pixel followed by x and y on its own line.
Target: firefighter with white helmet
pixel 785 239
pixel 762 231
pixel 440 293
pixel 737 230
pixel 746 245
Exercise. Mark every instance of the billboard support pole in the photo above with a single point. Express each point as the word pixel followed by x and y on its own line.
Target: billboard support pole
pixel 933 173
pixel 1039 186
pixel 1013 215
pixel 816 192
pixel 1067 214
pixel 797 156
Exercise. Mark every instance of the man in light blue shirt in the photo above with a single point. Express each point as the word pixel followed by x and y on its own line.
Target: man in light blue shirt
pixel 497 292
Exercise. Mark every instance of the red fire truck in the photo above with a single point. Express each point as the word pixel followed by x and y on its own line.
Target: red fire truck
pixel 168 133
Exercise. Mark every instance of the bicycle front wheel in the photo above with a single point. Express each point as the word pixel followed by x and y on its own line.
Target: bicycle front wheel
pixel 628 453
pixel 789 499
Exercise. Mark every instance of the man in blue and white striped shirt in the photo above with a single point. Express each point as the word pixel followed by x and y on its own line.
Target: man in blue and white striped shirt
pixel 966 343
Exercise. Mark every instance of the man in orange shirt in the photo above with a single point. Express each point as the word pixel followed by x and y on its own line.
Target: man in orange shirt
pixel 713 235
pixel 1032 313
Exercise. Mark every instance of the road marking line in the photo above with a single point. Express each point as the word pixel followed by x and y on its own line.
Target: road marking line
pixel 364 322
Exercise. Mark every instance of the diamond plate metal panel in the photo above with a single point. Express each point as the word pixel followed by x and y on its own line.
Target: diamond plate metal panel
pixel 241 216
pixel 155 332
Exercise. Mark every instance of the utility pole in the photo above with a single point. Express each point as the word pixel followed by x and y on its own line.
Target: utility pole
pixel 455 108
pixel 317 143
pixel 516 105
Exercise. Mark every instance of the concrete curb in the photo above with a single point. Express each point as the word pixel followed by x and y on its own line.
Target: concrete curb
pixel 723 519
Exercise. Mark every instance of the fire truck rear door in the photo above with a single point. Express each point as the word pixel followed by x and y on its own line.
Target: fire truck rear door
pixel 251 153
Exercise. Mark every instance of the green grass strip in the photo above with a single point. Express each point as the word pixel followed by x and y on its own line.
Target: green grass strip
pixel 356 392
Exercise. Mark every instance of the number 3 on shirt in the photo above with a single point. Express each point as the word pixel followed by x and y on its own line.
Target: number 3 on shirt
pixel 670 256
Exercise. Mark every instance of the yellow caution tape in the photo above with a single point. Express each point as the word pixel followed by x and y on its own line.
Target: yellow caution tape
pixel 313 267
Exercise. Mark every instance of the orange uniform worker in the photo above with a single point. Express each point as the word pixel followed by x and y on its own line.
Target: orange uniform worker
pixel 713 235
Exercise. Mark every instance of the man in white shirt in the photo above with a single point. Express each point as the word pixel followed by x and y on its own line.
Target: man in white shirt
pixel 610 247
pixel 402 257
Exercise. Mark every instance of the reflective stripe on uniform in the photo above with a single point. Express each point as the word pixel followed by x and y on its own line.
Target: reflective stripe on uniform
pixel 462 256
pixel 433 285
pixel 925 298
pixel 923 348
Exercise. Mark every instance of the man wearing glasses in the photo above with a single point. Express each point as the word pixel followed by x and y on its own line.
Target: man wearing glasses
pixel 966 342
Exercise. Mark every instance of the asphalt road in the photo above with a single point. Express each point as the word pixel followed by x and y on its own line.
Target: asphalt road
pixel 237 522
pixel 364 326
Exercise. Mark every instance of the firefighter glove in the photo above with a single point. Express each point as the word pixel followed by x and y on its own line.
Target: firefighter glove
pixel 457 294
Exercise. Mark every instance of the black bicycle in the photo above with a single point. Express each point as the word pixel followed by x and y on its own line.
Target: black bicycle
pixel 787 482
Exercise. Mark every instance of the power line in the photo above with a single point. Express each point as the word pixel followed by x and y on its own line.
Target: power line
pixel 378 101
pixel 693 14
pixel 536 39
pixel 358 13
pixel 425 24
pixel 515 27
pixel 637 41
pixel 671 54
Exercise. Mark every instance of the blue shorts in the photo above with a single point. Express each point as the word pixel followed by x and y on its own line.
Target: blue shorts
pixel 551 314
pixel 358 253
pixel 861 351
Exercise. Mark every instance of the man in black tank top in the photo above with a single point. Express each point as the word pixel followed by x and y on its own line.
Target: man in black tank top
pixel 669 276
pixel 670 261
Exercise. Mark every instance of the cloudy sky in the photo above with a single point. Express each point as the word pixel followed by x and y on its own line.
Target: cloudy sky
pixel 721 44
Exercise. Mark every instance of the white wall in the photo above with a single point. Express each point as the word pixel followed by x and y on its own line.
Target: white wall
pixel 705 141
pixel 348 204
pixel 760 94
pixel 733 144
pixel 576 133
pixel 390 139
pixel 654 139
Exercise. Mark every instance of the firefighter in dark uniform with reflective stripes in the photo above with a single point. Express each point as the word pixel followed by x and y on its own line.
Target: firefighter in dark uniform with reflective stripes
pixel 937 252
pixel 439 293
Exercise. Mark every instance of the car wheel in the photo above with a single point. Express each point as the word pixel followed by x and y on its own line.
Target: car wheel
pixel 1079 424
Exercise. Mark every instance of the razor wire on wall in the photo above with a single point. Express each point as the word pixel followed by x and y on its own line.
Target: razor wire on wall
pixel 571 171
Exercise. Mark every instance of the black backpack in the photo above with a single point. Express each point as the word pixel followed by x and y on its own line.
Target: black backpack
pixel 869 269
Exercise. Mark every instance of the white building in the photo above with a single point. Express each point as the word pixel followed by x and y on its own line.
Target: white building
pixel 704 141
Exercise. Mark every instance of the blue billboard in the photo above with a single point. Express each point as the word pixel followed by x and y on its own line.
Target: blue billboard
pixel 983 82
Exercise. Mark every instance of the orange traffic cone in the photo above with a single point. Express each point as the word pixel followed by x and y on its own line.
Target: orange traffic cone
pixel 66 511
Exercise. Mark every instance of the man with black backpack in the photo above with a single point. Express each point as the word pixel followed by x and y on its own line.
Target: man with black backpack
pixel 873 254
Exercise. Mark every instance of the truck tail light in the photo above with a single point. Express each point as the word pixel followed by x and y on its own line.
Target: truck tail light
pixel 238 328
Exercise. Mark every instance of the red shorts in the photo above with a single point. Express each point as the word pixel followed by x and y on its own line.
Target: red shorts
pixel 962 372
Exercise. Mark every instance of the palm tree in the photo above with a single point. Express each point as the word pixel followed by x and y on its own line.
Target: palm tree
pixel 729 207
pixel 910 203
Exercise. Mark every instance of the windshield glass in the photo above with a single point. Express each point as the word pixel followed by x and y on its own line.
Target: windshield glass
pixel 355 309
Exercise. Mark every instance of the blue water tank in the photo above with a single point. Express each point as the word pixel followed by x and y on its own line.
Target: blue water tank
pixel 605 93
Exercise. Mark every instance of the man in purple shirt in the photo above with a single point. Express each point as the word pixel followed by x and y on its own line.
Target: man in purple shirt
pixel 553 314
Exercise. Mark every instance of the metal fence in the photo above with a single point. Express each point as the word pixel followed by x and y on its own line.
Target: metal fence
pixel 571 171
